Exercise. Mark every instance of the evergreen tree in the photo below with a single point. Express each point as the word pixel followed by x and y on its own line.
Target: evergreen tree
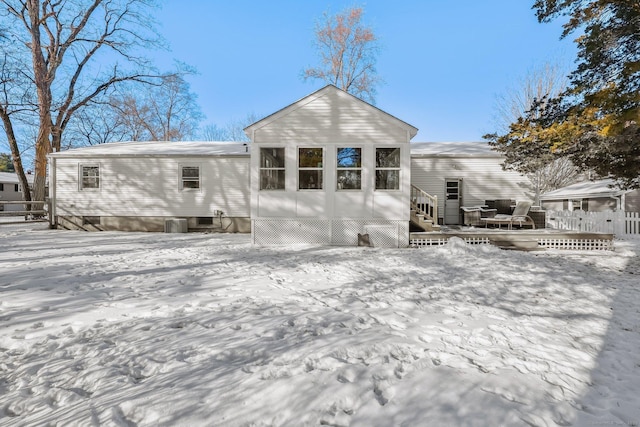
pixel 601 106
pixel 6 164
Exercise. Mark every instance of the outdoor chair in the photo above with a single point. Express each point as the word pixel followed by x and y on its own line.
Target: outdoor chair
pixel 519 216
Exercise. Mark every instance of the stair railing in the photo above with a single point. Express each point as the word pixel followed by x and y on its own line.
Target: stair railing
pixel 424 203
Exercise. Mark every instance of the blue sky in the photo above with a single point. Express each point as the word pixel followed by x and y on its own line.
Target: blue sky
pixel 443 62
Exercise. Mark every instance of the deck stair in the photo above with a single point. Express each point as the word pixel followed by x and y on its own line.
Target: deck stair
pixel 424 210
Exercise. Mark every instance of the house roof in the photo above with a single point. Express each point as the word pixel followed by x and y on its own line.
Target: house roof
pixel 322 92
pixel 159 149
pixel 452 149
pixel 12 178
pixel 585 190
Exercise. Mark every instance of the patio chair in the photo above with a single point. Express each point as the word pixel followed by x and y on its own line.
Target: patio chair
pixel 519 216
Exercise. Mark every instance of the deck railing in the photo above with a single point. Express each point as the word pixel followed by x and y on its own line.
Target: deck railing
pixel 619 223
pixel 424 204
pixel 40 213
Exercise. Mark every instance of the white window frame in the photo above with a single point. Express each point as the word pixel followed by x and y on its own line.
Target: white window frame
pixel 394 168
pixel 307 168
pixel 182 179
pixel 355 169
pixel 81 184
pixel 270 168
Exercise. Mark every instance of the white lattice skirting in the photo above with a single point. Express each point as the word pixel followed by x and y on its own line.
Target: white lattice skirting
pixel 382 233
pixel 577 244
pixel 432 241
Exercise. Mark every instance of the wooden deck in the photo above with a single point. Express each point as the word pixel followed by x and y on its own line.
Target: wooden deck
pixel 528 240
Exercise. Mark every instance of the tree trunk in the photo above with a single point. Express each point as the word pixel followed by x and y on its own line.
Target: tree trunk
pixel 42 77
pixel 17 160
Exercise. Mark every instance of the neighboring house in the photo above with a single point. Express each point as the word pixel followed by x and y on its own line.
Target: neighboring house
pixel 595 196
pixel 11 191
pixel 138 185
pixel 322 170
pixel 464 174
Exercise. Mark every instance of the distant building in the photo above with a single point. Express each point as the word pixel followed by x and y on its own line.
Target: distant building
pixel 596 196
pixel 11 190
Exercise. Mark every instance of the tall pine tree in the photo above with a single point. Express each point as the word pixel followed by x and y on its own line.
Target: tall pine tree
pixel 605 86
pixel 594 122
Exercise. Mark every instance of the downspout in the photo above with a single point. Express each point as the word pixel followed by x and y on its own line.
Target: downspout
pixel 53 218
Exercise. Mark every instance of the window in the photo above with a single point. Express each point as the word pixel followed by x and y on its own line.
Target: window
pixel 310 168
pixel 89 177
pixel 387 168
pixel 90 220
pixel 1 186
pixel 205 220
pixel 272 168
pixel 190 177
pixel 349 163
pixel 16 188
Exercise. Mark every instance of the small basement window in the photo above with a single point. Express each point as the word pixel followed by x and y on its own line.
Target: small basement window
pixel 90 220
pixel 89 177
pixel 205 220
pixel 189 177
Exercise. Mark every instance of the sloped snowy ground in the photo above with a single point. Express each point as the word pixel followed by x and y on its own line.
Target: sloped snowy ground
pixel 125 329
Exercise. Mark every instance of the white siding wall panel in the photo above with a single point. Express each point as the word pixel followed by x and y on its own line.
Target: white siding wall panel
pixel 329 119
pixel 150 186
pixel 482 179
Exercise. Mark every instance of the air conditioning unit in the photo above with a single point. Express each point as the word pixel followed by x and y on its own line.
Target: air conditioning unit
pixel 175 225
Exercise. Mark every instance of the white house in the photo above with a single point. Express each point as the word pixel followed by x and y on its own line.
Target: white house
pixel 596 196
pixel 464 174
pixel 327 168
pixel 321 170
pixel 11 191
pixel 138 185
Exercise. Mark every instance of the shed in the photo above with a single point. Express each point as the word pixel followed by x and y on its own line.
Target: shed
pixel 327 168
pixel 596 196
pixel 464 174
pixel 137 186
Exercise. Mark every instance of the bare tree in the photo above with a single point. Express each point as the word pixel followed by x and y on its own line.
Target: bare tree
pixel 232 131
pixel 64 46
pixel 213 132
pixel 537 85
pixel 166 112
pixel 348 51
pixel 15 104
pixel 97 123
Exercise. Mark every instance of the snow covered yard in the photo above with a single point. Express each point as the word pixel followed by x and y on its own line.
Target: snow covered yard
pixel 128 329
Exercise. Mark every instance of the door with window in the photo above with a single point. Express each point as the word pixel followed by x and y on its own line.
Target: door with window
pixel 452 201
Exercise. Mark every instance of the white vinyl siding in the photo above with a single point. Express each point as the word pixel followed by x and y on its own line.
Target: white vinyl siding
pixel 318 122
pixel 482 178
pixel 146 186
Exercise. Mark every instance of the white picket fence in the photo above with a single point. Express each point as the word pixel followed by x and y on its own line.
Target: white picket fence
pixel 622 224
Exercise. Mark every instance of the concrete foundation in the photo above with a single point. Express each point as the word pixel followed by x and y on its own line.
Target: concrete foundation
pixel 152 224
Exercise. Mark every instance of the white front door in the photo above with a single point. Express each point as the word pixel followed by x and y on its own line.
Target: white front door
pixel 453 195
